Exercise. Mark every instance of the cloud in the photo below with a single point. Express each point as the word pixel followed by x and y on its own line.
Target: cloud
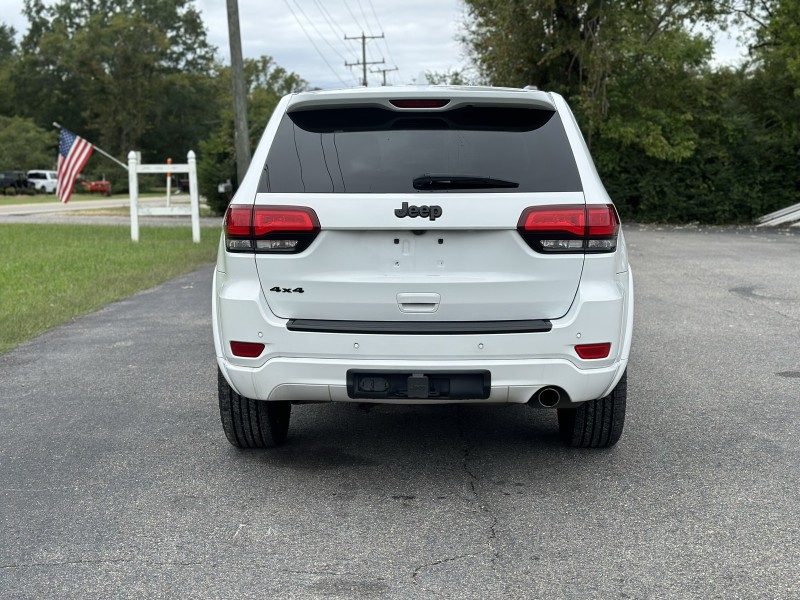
pixel 420 35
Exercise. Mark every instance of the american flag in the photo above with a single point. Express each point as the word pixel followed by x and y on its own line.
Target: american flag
pixel 73 152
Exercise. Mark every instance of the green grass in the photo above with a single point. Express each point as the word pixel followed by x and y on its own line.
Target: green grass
pixel 52 273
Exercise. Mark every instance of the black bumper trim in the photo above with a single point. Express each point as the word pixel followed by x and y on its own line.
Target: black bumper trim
pixel 420 327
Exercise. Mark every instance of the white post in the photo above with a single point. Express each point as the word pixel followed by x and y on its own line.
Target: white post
pixel 133 190
pixel 194 196
pixel 169 182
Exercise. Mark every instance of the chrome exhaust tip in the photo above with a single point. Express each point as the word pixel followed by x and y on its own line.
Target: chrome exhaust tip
pixel 548 397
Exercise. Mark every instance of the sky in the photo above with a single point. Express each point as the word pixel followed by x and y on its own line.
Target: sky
pixel 307 36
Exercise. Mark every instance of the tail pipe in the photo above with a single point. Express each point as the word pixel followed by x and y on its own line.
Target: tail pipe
pixel 549 397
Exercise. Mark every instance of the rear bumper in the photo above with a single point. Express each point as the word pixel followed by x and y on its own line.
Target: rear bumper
pixel 324 380
pixel 312 366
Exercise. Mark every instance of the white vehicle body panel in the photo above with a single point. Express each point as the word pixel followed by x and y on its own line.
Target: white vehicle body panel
pixel 296 364
pixel 468 265
pixel 477 269
pixel 43 181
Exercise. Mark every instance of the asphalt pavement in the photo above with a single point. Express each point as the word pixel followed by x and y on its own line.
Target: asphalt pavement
pixel 85 212
pixel 116 480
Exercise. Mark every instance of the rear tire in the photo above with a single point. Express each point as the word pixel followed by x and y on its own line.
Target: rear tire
pixel 598 423
pixel 251 423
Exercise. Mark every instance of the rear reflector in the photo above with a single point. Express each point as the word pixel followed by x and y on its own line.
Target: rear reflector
pixel 247 349
pixel 570 228
pixel 270 229
pixel 421 103
pixel 593 351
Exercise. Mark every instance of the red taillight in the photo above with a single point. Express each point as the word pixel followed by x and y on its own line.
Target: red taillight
pixel 268 219
pixel 603 221
pixel 270 229
pixel 247 349
pixel 593 351
pixel 570 228
pixel 237 220
pixel 421 103
pixel 547 219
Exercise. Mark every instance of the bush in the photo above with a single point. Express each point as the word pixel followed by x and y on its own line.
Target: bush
pixel 215 165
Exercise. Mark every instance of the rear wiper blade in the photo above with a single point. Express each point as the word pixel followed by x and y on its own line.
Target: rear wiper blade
pixel 460 182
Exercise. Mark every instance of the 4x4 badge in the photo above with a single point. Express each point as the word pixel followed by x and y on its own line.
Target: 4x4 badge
pixel 431 212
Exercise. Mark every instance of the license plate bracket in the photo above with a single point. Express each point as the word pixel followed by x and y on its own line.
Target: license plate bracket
pixel 418 386
pixel 425 385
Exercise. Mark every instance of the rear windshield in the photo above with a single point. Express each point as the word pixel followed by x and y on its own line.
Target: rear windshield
pixel 377 151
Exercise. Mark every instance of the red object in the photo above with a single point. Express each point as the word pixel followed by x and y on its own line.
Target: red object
pixel 237 220
pixel 421 103
pixel 247 349
pixel 570 227
pixel 269 219
pixel 254 228
pixel 244 221
pixel 603 220
pixel 562 218
pixel 97 187
pixel 73 152
pixel 593 351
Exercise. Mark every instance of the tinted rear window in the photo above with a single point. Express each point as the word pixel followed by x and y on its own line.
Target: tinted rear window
pixel 372 150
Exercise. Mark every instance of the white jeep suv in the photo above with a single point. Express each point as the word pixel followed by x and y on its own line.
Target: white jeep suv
pixel 422 245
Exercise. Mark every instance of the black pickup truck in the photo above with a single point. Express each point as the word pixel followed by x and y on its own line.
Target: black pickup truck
pixel 14 179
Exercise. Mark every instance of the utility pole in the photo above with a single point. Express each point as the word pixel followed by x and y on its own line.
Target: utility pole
pixel 364 62
pixel 384 72
pixel 241 133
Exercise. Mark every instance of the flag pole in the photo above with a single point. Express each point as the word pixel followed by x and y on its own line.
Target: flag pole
pixel 100 150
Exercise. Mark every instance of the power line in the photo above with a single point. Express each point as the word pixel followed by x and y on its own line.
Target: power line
pixel 363 14
pixel 333 26
pixel 324 39
pixel 355 18
pixel 329 18
pixel 321 55
pixel 380 26
pixel 364 62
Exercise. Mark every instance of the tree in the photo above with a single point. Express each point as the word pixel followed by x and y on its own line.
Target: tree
pixel 128 74
pixel 8 54
pixel 625 66
pixel 266 84
pixel 674 138
pixel 24 146
pixel 8 46
pixel 449 77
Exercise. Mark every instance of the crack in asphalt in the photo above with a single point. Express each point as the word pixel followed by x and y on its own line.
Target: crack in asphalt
pixel 438 562
pixel 473 481
pixel 318 573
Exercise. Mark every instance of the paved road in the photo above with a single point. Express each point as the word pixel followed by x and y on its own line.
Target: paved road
pixel 116 480
pixel 73 212
pixel 56 207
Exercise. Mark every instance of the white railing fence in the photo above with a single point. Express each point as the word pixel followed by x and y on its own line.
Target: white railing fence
pixel 190 167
